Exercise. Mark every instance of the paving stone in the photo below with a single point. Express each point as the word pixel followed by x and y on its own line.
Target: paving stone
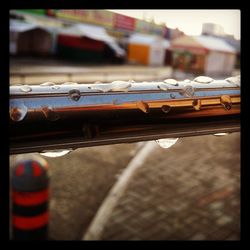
pixel 198 236
pixel 216 205
pixel 224 220
pixel 184 219
pixel 156 204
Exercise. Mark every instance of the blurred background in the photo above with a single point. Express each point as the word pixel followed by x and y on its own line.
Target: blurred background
pixel 190 191
pixel 71 45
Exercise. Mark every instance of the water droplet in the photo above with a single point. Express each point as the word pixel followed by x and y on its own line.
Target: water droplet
pixel 56 153
pixel 203 79
pixel 234 80
pixel 143 106
pixel 100 87
pixel 18 111
pixel 197 104
pixel 114 86
pixel 188 91
pixel 163 86
pixel 70 83
pixel 25 88
pixel 120 86
pixel 166 108
pixel 50 114
pixel 221 134
pixel 47 84
pixel 55 87
pixel 75 94
pixel 172 96
pixel 167 143
pixel 226 102
pixel 171 81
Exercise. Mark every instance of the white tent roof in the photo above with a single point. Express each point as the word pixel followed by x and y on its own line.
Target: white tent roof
pixel 166 43
pixel 93 32
pixel 214 43
pixel 138 38
pixel 142 38
pixel 20 26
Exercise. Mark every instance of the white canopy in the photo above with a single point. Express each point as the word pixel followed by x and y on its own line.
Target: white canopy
pixel 19 26
pixel 214 43
pixel 203 42
pixel 145 39
pixel 93 32
pixel 166 44
pixel 142 39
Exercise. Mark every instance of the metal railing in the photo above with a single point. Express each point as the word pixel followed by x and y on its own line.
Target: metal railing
pixel 71 115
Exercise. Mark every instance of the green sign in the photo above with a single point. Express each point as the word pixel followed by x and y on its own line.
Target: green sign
pixel 33 11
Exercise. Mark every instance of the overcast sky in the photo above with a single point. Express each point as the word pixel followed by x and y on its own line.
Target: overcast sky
pixel 190 21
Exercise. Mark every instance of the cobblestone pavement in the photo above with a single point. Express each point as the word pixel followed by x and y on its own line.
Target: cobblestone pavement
pixel 79 183
pixel 188 192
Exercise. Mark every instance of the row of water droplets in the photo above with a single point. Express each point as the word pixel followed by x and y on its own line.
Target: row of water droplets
pixel 189 91
pixel 19 110
pixel 169 142
pixel 125 85
pixel 163 143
